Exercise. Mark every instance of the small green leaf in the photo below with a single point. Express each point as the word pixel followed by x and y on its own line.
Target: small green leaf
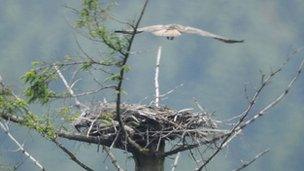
pixel 86 65
pixel 114 77
pixel 126 68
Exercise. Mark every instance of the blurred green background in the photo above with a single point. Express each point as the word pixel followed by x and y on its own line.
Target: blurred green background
pixel 212 72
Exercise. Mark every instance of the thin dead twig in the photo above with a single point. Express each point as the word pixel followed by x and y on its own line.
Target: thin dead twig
pixel 171 91
pixel 201 108
pixel 246 164
pixel 175 162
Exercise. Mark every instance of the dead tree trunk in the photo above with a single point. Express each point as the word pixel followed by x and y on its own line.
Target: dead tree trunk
pixel 150 161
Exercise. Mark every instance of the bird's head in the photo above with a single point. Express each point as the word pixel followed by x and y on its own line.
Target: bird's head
pixel 173 26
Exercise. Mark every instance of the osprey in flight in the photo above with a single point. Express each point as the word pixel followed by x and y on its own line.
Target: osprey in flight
pixel 174 30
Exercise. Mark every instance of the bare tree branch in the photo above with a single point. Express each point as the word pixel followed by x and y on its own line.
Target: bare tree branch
pixel 68 87
pixel 121 78
pixel 21 148
pixel 276 100
pixel 72 156
pixel 242 118
pixel 240 124
pixel 112 158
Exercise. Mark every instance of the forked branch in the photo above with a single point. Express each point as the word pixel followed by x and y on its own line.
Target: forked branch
pixel 241 125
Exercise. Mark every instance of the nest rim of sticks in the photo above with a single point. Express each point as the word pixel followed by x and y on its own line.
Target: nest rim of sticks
pixel 147 125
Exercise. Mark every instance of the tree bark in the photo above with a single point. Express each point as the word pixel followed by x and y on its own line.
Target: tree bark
pixel 150 161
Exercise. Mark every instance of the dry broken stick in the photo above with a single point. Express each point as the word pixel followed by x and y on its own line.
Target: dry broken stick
pixel 156 78
pixel 175 161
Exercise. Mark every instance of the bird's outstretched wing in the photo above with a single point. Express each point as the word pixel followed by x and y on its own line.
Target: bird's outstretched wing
pixel 152 29
pixel 208 34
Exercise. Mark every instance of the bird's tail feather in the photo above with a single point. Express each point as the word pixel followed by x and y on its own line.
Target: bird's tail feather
pixel 127 31
pixel 229 40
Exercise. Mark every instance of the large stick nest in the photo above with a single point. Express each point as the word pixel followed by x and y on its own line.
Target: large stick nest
pixel 147 124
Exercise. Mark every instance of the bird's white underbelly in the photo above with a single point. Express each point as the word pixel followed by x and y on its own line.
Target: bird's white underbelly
pixel 167 33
